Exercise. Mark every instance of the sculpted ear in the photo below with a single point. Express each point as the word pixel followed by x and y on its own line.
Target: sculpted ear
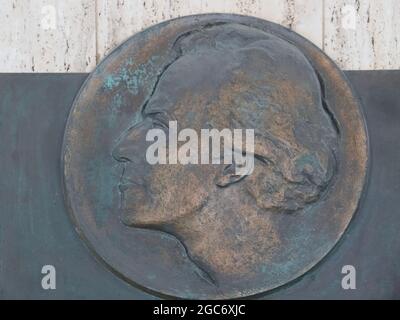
pixel 229 176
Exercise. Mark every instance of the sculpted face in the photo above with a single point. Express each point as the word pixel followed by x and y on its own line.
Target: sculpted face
pixel 253 84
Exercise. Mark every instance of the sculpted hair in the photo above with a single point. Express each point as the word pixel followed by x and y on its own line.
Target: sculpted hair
pixel 296 135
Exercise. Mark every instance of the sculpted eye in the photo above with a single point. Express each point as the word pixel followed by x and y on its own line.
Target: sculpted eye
pixel 160 120
pixel 265 160
pixel 158 123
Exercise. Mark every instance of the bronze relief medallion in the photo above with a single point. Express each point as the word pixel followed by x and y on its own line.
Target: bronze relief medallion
pixel 200 230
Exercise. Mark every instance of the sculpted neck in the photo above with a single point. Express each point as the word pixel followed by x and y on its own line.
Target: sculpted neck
pixel 228 236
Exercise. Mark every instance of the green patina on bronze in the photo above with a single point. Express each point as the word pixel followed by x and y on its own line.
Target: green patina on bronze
pixel 196 231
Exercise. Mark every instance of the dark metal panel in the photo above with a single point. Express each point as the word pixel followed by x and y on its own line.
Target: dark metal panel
pixel 35 229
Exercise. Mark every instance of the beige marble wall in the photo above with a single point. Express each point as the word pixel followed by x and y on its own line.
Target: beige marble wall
pixel 73 35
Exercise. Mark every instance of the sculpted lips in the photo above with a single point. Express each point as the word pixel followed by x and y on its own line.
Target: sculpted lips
pixel 127 184
pixel 122 187
pixel 130 187
pixel 126 181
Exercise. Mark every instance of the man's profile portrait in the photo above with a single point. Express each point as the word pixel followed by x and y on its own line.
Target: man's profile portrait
pixel 231 76
pixel 154 203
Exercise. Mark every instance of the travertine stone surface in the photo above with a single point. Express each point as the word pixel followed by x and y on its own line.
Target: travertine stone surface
pixel 74 35
pixel 363 34
pixel 117 20
pixel 47 36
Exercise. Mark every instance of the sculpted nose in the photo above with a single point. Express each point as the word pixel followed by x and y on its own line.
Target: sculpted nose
pixel 130 143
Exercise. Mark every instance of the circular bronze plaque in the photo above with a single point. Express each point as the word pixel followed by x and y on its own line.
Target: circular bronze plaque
pixel 201 230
